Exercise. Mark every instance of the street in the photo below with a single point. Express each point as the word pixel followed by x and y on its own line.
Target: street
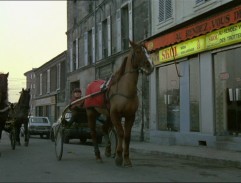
pixel 38 163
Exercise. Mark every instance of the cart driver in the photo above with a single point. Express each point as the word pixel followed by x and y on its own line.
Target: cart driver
pixel 76 108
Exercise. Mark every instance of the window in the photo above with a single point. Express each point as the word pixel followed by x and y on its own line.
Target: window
pixel 165 10
pixel 105 39
pixel 168 99
pixel 124 24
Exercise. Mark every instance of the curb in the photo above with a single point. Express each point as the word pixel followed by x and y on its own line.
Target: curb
pixel 216 161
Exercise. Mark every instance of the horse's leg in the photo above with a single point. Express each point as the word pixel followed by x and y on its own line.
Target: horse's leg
pixel 128 126
pixel 17 131
pixel 92 115
pixel 26 137
pixel 116 120
pixel 106 127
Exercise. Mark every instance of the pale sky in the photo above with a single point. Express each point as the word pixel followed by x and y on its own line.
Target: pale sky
pixel 31 34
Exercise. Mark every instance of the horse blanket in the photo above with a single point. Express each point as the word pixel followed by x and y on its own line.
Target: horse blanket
pixel 97 100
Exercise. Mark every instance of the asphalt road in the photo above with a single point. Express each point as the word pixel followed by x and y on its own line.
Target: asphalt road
pixel 38 163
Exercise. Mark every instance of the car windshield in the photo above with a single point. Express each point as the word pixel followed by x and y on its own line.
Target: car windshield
pixel 39 120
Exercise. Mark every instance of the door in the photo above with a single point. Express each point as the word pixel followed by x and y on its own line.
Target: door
pixel 228 91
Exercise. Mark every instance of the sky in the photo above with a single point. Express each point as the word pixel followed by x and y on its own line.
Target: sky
pixel 31 34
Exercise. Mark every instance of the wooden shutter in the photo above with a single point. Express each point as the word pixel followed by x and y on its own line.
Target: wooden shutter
pixel 77 53
pixel 86 48
pixel 118 30
pixel 93 44
pixel 130 21
pixel 100 39
pixel 109 35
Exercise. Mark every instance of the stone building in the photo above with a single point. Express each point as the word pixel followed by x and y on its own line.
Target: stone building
pixel 47 84
pixel 98 34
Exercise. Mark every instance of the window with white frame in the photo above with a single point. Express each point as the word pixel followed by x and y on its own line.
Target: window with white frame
pixel 165 10
pixel 48 81
pixel 124 25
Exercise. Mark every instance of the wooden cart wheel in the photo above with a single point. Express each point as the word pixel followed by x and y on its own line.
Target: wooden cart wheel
pixel 59 142
pixel 113 141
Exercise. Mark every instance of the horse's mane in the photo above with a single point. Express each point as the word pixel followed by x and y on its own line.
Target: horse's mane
pixel 119 73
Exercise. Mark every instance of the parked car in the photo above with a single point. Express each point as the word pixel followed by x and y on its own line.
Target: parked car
pixel 39 125
pixel 77 130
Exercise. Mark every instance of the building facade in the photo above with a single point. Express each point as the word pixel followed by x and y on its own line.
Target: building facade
pixel 98 34
pixel 31 84
pixel 47 84
pixel 195 96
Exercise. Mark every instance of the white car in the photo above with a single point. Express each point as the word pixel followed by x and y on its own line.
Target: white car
pixel 39 125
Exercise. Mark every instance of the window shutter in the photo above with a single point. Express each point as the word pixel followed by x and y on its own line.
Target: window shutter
pixel 130 21
pixel 165 10
pixel 109 35
pixel 71 59
pixel 48 81
pixel 77 53
pixel 118 30
pixel 100 39
pixel 168 8
pixel 40 84
pixel 161 10
pixel 200 1
pixel 93 44
pixel 86 48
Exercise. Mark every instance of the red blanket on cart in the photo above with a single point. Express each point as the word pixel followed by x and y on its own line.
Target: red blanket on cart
pixel 97 100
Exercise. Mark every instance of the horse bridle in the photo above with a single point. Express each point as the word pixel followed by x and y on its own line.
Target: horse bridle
pixel 135 70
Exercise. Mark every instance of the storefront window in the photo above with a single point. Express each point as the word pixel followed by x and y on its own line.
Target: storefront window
pixel 168 99
pixel 194 94
pixel 228 92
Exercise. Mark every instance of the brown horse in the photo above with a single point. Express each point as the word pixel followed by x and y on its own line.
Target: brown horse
pixel 4 106
pixel 121 102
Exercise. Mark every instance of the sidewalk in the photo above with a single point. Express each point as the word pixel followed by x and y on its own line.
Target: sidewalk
pixel 199 153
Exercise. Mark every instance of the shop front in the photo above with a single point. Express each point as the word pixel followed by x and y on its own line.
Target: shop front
pixel 197 85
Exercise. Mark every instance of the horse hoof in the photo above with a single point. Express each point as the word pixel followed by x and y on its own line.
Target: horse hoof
pixel 118 161
pixel 26 144
pixel 127 163
pixel 18 143
pixel 99 160
pixel 107 152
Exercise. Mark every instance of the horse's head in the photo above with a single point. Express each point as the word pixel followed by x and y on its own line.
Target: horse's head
pixel 24 98
pixel 3 86
pixel 140 58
